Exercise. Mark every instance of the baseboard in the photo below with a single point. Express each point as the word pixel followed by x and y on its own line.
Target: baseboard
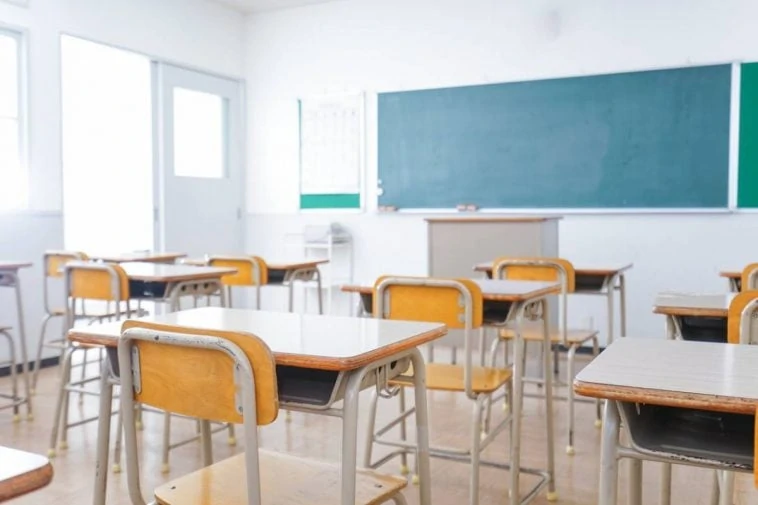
pixel 47 362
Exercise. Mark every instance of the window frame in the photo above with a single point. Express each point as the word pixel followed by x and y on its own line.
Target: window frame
pixel 20 35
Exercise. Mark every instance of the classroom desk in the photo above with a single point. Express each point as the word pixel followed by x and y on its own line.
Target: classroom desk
pixel 22 472
pixel 286 273
pixel 664 390
pixel 700 317
pixel 597 281
pixel 9 278
pixel 142 256
pixel 735 279
pixel 320 360
pixel 168 282
pixel 508 302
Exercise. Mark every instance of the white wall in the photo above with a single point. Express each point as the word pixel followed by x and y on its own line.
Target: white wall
pixel 190 32
pixel 383 45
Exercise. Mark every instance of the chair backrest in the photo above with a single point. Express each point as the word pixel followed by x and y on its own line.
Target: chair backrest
pixel 457 303
pixel 428 299
pixel 251 270
pixel 212 375
pixel 54 263
pixel 749 277
pixel 106 282
pixel 540 269
pixel 195 375
pixel 535 269
pixel 742 321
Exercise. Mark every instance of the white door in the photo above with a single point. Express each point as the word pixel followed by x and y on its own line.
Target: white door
pixel 200 175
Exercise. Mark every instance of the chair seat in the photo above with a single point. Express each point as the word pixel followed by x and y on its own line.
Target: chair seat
pixel 285 480
pixel 447 377
pixel 533 332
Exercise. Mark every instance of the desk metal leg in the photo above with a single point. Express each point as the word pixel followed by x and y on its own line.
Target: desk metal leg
pixel 422 429
pixel 666 484
pixel 205 437
pixel 516 401
pixel 103 434
pixel 609 455
pixel 611 309
pixel 350 437
pixel 635 481
pixel 622 304
pixel 547 356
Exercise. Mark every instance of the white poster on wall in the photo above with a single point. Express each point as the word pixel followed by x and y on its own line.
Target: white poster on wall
pixel 331 144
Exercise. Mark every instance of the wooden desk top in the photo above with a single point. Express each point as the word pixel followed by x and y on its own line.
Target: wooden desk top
pixel 492 290
pixel 311 341
pixel 22 472
pixel 493 219
pixel 163 272
pixel 295 264
pixel 731 274
pixel 145 257
pixel 676 373
pixel 14 265
pixel 604 270
pixel 275 265
pixel 688 304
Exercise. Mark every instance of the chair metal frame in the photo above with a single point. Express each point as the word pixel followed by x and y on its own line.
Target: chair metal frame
pixel 472 454
pixel 69 386
pixel 499 271
pixel 256 274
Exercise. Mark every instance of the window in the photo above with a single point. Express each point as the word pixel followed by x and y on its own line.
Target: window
pixel 13 179
pixel 199 149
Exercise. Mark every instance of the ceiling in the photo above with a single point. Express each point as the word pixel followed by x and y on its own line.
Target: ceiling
pixel 267 5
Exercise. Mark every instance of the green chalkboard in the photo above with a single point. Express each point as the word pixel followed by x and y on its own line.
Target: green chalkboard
pixel 653 139
pixel 747 193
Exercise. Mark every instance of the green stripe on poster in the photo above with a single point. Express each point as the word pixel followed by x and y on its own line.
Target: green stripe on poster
pixel 747 192
pixel 334 201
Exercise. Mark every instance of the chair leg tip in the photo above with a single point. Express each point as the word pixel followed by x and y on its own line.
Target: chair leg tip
pixel 16 418
pixel 552 496
pixel 506 408
pixel 232 441
pixel 415 480
pixel 30 417
pixel 404 470
pixel 287 416
pixel 139 425
pixel 164 468
pixel 598 423
pixel 63 445
pixel 570 450
pixel 116 468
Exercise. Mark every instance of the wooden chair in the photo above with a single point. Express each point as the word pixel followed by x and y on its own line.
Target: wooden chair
pixel 251 272
pixel 94 282
pixel 231 378
pixel 458 304
pixel 562 338
pixel 749 277
pixel 54 262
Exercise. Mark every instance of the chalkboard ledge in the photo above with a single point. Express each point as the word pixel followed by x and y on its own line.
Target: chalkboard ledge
pixel 496 219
